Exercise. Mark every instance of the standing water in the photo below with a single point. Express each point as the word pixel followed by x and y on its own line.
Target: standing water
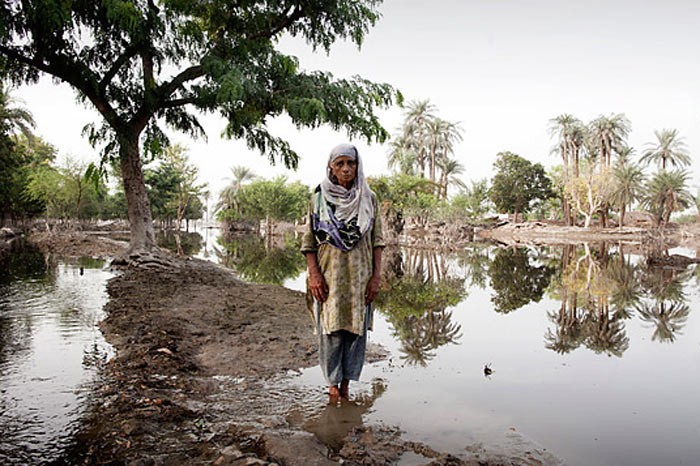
pixel 580 355
pixel 50 348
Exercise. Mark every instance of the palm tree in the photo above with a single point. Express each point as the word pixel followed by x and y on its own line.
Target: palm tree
pixel 571 135
pixel 629 182
pixel 666 193
pixel 668 148
pixel 449 168
pixel 561 126
pixel 402 156
pixel 13 118
pixel 414 130
pixel 440 137
pixel 608 135
pixel 227 197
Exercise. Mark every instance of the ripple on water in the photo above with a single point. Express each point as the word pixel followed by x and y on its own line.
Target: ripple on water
pixel 49 350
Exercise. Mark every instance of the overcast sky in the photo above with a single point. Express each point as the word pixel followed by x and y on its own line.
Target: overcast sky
pixel 501 68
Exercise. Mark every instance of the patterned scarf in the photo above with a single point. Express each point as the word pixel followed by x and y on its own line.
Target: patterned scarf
pixel 342 216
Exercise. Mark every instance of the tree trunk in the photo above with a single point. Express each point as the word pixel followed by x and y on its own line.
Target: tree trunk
pixel 140 219
pixel 622 215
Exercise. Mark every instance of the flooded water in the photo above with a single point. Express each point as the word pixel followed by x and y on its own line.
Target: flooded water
pixel 581 355
pixel 50 347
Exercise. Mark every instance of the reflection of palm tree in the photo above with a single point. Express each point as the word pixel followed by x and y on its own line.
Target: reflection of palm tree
pixel 415 305
pixel 421 336
pixel 626 290
pixel 475 263
pixel 664 284
pixel 668 319
pixel 605 334
pixel 569 321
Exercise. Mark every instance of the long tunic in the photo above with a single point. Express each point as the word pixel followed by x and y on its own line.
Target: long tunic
pixel 346 273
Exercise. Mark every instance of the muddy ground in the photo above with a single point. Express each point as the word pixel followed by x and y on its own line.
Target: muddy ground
pixel 200 368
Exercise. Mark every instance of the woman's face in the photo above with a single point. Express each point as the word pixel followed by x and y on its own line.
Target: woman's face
pixel 344 169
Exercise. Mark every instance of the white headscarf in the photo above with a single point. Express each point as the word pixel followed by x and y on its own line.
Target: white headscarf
pixel 355 202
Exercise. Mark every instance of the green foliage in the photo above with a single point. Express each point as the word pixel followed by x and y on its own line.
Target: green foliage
pixel 518 184
pixel 173 188
pixel 212 56
pixel 424 146
pixel 273 199
pixel 669 149
pixel 515 280
pixel 666 192
pixel 413 295
pixel 406 195
pixel 474 201
pixel 257 262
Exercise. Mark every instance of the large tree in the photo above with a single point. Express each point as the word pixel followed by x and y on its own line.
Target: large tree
pixel 517 184
pixel 147 63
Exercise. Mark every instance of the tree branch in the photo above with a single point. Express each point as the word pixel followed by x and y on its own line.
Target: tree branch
pixel 129 53
pixel 179 102
pixel 286 21
pixel 72 73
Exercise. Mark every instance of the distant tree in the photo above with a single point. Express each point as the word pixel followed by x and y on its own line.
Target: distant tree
pixel 473 200
pixel 142 64
pixel 591 191
pixel 273 200
pixel 629 183
pixel 46 185
pixel 449 169
pixel 669 148
pixel 608 135
pixel 173 185
pixel 228 196
pixel 426 142
pixel 666 192
pixel 14 121
pixel 517 184
pixel 571 134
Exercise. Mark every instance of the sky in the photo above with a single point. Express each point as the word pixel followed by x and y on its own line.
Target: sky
pixel 500 68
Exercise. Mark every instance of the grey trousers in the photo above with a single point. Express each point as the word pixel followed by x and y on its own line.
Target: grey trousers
pixel 341 353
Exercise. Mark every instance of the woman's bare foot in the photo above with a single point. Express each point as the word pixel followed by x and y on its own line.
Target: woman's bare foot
pixel 333 393
pixel 345 389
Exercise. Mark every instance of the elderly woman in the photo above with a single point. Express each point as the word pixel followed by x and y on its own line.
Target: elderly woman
pixel 343 247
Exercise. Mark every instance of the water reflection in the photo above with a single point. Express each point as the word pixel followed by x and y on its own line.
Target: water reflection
pixel 49 351
pixel 601 288
pixel 517 279
pixel 337 420
pixel 260 260
pixel 416 293
pixel 184 243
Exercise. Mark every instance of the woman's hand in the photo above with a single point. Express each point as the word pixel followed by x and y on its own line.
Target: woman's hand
pixel 372 289
pixel 318 286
